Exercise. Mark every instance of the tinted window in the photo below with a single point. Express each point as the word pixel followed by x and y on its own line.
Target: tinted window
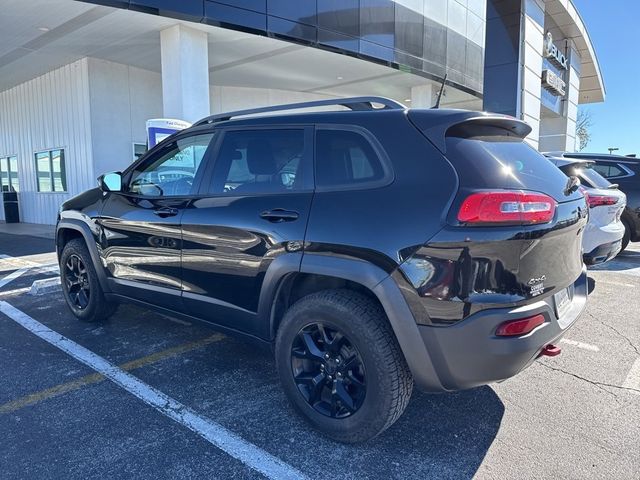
pixel 497 161
pixel 345 158
pixel 259 161
pixel 588 176
pixel 171 172
pixel 609 170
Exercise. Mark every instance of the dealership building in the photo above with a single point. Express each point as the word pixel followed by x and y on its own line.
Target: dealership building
pixel 79 80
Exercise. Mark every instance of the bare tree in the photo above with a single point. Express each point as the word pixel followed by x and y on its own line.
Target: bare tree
pixel 584 122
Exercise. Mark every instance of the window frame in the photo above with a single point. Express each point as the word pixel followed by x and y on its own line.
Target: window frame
pixel 388 177
pixel 9 172
pixel 63 170
pixel 306 160
pixel 160 149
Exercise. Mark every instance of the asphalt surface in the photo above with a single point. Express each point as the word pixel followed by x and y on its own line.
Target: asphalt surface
pixel 572 416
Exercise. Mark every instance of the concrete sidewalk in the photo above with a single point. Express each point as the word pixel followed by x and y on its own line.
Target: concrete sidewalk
pixel 30 229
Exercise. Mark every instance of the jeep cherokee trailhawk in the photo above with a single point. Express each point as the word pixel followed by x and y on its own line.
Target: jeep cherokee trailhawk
pixel 372 246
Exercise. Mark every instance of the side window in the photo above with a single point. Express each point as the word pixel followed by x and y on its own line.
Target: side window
pixel 345 158
pixel 259 161
pixel 609 170
pixel 171 171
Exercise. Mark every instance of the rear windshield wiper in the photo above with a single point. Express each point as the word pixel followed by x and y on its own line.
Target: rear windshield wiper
pixel 613 186
pixel 573 183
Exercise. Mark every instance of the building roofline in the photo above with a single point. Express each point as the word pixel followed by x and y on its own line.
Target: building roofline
pixel 570 22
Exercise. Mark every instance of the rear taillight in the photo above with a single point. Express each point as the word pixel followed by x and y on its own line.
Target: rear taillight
pixel 507 206
pixel 600 200
pixel 516 328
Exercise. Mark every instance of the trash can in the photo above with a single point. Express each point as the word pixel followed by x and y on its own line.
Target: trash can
pixel 10 203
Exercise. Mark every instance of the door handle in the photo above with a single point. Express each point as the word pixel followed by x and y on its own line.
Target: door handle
pixel 279 215
pixel 165 212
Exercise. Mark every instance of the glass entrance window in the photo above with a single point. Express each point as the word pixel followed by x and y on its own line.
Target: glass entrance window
pixel 9 181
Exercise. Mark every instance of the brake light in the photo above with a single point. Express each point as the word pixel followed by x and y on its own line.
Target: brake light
pixel 515 328
pixel 507 206
pixel 600 200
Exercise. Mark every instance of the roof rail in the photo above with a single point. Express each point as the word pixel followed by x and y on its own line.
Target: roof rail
pixel 354 103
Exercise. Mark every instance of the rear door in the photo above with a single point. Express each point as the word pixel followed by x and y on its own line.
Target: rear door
pixel 140 227
pixel 252 209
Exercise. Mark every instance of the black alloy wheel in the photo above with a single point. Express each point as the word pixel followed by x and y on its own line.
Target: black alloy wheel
pixel 77 282
pixel 328 371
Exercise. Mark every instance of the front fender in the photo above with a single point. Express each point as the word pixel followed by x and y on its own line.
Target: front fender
pixel 90 239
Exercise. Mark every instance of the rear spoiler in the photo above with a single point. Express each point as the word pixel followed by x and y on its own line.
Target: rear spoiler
pixel 437 125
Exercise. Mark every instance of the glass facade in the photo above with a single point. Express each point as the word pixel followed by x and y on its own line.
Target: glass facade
pixel 425 37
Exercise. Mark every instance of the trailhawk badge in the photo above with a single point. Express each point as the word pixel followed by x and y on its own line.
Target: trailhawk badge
pixel 537 285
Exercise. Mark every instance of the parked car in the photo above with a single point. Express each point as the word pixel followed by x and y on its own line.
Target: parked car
pixel 625 172
pixel 603 235
pixel 373 248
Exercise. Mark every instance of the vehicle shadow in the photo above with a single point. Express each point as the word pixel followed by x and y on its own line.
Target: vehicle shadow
pixel 450 432
pixel 438 436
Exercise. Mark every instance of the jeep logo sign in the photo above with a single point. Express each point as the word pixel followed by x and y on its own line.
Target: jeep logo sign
pixel 554 54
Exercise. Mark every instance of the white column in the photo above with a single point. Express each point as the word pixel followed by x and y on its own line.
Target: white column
pixel 531 66
pixel 422 96
pixel 185 73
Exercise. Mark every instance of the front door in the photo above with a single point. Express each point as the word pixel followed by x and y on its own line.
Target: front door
pixel 141 236
pixel 252 208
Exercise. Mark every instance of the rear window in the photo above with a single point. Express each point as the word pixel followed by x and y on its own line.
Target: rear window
pixel 497 161
pixel 608 170
pixel 588 176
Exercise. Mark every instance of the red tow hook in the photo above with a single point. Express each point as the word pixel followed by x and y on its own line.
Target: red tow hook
pixel 550 351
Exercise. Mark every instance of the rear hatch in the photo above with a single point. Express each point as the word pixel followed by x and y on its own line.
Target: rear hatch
pixel 514 228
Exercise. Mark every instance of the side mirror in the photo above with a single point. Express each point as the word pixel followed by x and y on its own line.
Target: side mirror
pixel 110 182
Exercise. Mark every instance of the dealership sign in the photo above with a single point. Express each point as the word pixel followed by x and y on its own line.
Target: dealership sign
pixel 553 83
pixel 553 53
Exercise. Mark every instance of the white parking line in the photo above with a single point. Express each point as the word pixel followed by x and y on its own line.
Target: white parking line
pixel 227 441
pixel 582 345
pixel 12 276
pixel 633 378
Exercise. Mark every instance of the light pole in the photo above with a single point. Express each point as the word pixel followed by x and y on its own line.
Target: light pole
pixel 611 150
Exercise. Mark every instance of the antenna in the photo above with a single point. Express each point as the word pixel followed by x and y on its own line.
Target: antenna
pixel 437 105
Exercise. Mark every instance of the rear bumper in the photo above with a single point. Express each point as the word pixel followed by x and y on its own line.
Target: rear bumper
pixel 603 253
pixel 468 354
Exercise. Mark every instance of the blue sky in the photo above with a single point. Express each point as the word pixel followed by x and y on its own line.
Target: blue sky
pixel 613 27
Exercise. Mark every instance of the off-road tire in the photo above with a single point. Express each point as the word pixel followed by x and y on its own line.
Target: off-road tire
pixel 388 380
pixel 98 308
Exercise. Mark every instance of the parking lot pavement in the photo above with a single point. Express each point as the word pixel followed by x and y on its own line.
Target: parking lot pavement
pixel 572 416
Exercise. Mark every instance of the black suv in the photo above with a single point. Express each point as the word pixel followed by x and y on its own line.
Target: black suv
pixel 624 172
pixel 372 247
